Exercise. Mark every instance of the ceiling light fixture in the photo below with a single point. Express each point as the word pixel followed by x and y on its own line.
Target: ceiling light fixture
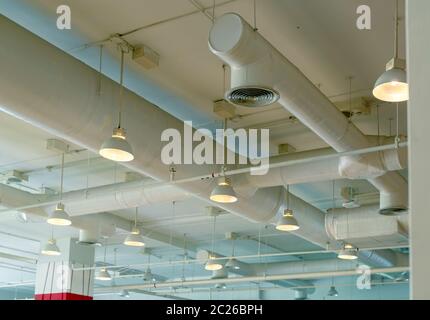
pixel 134 239
pixel 224 192
pixel 392 85
pixel 51 248
pixel 350 202
pixel 148 276
pixel 103 274
pixel 117 148
pixel 333 292
pixel 213 264
pixel 348 252
pixel 233 263
pixel 59 216
pixel 124 294
pixel 221 286
pixel 287 222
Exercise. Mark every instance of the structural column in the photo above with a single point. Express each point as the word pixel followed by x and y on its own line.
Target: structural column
pixel 66 277
pixel 418 54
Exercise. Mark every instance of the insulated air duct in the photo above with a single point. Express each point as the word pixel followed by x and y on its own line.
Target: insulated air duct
pixel 364 227
pixel 256 64
pixel 58 93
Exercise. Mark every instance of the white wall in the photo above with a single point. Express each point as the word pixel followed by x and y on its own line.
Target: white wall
pixel 418 46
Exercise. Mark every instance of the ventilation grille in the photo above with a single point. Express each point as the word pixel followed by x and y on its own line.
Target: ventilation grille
pixel 252 97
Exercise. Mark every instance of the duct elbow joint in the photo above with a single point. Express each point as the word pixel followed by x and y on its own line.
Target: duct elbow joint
pixel 251 58
pixel 364 167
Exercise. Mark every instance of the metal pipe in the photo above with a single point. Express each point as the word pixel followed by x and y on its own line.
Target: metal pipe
pixel 75 112
pixel 256 64
pixel 186 291
pixel 17 258
pixel 78 196
pixel 243 257
pixel 303 276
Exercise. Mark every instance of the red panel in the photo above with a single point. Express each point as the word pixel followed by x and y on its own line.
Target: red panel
pixel 61 296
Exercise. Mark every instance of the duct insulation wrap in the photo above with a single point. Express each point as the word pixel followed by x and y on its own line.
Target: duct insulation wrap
pixel 58 93
pixel 255 63
pixel 364 227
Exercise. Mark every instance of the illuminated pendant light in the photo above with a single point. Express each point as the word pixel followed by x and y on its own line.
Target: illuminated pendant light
pixel 223 192
pixel 392 85
pixel 350 202
pixel 116 148
pixel 212 264
pixel 348 252
pixel 287 222
pixel 233 263
pixel 103 274
pixel 59 216
pixel 51 248
pixel 135 239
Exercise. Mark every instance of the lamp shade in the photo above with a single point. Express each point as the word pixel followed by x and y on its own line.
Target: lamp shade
pixel 220 286
pixel 134 240
pixel 51 249
pixel 392 86
pixel 148 276
pixel 213 265
pixel 224 192
pixel 103 275
pixel 332 292
pixel 233 264
pixel 287 222
pixel 124 294
pixel 117 148
pixel 348 252
pixel 59 216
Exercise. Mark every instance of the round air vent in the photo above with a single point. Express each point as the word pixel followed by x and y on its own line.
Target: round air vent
pixel 252 97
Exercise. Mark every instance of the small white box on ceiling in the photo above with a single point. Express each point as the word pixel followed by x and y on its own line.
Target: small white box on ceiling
pixel 57 146
pixel 146 57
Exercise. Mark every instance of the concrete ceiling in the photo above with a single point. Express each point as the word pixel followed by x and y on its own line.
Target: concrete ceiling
pixel 320 37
